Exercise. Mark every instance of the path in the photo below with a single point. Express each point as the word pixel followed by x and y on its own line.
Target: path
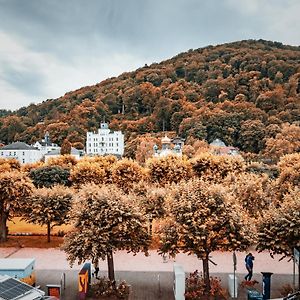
pixel 143 272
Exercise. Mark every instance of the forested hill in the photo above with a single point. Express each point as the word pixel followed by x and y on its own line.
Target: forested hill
pixel 246 93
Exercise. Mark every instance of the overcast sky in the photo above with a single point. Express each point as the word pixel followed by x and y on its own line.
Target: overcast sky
pixel 50 47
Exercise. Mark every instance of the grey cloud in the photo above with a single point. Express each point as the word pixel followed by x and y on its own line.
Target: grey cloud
pixel 23 80
pixel 146 31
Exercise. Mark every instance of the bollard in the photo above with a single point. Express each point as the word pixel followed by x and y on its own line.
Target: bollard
pixel 266 282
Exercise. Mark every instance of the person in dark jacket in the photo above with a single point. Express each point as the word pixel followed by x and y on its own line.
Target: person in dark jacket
pixel 249 266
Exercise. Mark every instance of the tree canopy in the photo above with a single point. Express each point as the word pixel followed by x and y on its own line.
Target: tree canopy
pixel 105 221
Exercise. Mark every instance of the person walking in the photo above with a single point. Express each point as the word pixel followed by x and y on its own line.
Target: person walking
pixel 249 266
pixel 96 269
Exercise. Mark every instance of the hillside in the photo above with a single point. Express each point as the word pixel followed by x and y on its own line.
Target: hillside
pixel 241 92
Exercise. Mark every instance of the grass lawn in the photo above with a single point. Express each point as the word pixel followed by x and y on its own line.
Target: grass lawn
pixel 18 226
pixel 32 242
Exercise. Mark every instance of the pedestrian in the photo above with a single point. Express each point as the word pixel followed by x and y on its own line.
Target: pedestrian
pixel 96 268
pixel 249 266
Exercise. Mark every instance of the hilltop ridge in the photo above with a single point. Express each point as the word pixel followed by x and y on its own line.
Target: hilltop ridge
pixel 242 92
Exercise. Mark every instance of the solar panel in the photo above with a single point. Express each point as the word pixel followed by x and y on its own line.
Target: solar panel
pixel 12 289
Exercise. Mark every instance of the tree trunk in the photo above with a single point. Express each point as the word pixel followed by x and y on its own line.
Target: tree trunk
pixel 48 231
pixel 206 275
pixel 3 227
pixel 110 265
pixel 150 227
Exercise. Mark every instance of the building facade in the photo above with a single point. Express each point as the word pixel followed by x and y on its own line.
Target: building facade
pixel 105 141
pixel 45 145
pixel 218 147
pixel 169 147
pixel 22 152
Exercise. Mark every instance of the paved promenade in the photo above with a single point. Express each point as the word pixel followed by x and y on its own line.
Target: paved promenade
pixel 150 277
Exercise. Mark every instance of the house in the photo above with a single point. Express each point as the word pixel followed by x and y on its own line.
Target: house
pixel 218 147
pixel 45 145
pixel 22 152
pixel 104 141
pixel 56 153
pixel 169 146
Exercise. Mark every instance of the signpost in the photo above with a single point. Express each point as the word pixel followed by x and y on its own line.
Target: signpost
pixel 234 270
pixel 296 261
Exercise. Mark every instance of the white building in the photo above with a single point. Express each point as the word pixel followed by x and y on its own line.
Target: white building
pixel 45 145
pixel 218 147
pixel 169 147
pixel 104 141
pixel 56 153
pixel 22 152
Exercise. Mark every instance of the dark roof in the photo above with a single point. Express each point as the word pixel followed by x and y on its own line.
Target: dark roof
pixel 12 289
pixel 18 146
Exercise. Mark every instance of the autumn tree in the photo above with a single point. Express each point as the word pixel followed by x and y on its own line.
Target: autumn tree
pixel 48 176
pixel 216 167
pixel 105 221
pixel 253 192
pixel 168 169
pixel 66 147
pixel 48 206
pixel 9 164
pixel 152 201
pixel 87 172
pixel 64 161
pixel 289 173
pixel 15 189
pixel 278 229
pixel 286 141
pixel 206 220
pixel 126 172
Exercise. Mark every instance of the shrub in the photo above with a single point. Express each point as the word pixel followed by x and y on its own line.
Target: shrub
pixel 195 287
pixel 104 288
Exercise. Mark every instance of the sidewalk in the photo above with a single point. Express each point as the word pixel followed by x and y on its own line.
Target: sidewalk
pixel 54 259
pixel 150 277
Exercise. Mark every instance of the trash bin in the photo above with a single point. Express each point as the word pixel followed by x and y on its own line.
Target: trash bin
pixel 254 295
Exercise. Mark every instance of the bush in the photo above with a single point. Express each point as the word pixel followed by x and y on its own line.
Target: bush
pixel 104 289
pixel 195 287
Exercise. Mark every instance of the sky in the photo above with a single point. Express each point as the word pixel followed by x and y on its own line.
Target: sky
pixel 50 47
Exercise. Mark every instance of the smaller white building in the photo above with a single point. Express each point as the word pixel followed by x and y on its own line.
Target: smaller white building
pixel 22 152
pixel 56 153
pixel 218 147
pixel 45 145
pixel 104 141
pixel 169 146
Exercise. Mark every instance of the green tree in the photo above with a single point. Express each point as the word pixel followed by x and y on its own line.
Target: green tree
pixel 105 221
pixel 15 189
pixel 49 206
pixel 204 220
pixel 48 176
